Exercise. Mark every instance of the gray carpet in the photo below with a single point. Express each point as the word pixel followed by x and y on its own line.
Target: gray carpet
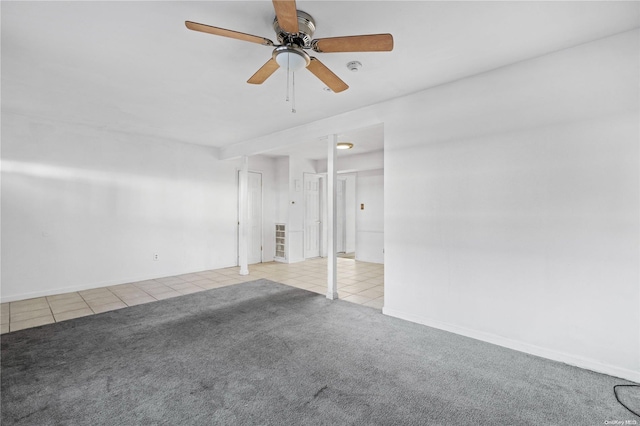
pixel 265 353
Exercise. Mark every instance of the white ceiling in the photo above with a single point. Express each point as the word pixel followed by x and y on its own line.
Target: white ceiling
pixel 134 67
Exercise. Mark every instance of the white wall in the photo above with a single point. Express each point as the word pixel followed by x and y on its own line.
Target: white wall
pixel 370 221
pixel 282 194
pixel 282 191
pixel 512 207
pixel 85 208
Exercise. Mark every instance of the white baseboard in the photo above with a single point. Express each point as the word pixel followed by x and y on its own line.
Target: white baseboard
pixel 570 359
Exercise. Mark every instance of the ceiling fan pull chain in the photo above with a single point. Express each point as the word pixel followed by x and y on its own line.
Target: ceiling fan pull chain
pixel 287 99
pixel 293 94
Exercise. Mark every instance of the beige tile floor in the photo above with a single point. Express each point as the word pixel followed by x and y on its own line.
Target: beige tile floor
pixel 358 282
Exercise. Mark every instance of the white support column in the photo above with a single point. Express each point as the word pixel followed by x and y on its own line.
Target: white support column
pixel 332 264
pixel 243 217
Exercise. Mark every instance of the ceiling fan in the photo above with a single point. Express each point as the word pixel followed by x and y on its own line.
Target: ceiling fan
pixel 294 29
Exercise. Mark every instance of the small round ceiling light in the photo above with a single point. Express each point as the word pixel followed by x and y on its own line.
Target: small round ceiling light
pixel 354 66
pixel 344 145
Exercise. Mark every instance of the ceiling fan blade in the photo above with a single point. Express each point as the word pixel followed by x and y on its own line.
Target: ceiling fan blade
pixel 227 33
pixel 287 15
pixel 326 76
pixel 359 43
pixel 264 72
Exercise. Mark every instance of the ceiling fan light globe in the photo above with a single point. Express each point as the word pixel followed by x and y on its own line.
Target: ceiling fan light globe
pixel 292 59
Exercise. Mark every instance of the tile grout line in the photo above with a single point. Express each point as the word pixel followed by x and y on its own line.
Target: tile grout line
pixel 51 309
pixel 142 290
pixel 72 310
pixel 125 303
pixel 87 302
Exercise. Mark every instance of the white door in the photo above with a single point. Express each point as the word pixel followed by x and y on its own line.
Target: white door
pixel 312 224
pixel 254 207
pixel 341 215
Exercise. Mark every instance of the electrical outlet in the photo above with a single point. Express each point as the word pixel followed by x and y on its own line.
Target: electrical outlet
pixel 156 256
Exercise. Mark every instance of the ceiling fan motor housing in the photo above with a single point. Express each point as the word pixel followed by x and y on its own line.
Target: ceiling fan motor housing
pixel 306 28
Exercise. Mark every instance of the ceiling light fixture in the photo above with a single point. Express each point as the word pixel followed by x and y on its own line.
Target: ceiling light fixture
pixel 292 58
pixel 344 145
